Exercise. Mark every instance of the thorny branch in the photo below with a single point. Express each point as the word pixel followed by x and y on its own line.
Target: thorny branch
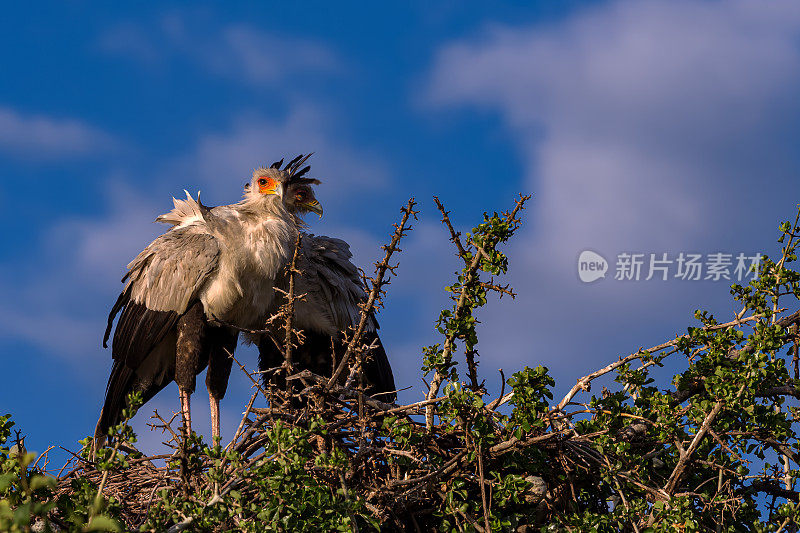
pixel 376 291
pixel 471 255
pixel 288 308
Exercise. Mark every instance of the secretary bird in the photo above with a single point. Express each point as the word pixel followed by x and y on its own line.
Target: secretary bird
pixel 332 291
pixel 215 268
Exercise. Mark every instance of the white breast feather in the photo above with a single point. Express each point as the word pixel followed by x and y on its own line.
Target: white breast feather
pixel 243 289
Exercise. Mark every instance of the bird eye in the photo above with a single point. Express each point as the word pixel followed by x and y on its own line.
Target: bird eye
pixel 300 196
pixel 262 181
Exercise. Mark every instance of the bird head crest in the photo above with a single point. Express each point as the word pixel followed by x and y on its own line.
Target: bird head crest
pixel 294 171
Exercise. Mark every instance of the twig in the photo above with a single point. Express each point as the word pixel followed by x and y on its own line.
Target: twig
pixel 242 421
pixel 471 263
pixel 43 454
pixel 377 287
pixel 482 480
pixel 583 383
pixel 254 381
pixel 288 308
pixel 675 477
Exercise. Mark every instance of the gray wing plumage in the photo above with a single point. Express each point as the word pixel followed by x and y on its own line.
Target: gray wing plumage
pixel 331 284
pixel 169 273
pixel 161 284
pixel 163 279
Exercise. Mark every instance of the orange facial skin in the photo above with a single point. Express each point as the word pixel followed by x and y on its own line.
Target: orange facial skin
pixel 266 185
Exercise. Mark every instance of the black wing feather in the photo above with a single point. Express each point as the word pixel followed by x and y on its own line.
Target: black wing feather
pixel 119 304
pixel 138 331
pixel 119 384
pixel 378 371
pixel 315 355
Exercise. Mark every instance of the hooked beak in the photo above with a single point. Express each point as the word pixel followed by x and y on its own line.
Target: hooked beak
pixel 315 207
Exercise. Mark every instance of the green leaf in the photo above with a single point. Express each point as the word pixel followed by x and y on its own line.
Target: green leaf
pixel 40 482
pixel 103 523
pixel 5 481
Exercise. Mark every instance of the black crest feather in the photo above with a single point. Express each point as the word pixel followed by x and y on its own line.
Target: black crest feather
pixel 293 168
pixel 293 161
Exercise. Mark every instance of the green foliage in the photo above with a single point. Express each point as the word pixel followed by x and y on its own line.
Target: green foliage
pixel 276 492
pixel 469 293
pixel 25 493
pixel 531 395
pixel 28 495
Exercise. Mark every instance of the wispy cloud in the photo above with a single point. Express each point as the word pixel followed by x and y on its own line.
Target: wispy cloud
pixel 240 52
pixel 130 40
pixel 223 160
pixel 260 58
pixel 66 282
pixel 43 137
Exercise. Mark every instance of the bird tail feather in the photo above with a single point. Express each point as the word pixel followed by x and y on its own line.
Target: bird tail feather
pixel 119 385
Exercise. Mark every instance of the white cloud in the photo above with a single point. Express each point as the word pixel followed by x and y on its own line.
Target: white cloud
pixel 56 300
pixel 130 40
pixel 634 111
pixel 100 247
pixel 264 59
pixel 652 126
pixel 43 137
pixel 222 162
pixel 50 330
pixel 241 52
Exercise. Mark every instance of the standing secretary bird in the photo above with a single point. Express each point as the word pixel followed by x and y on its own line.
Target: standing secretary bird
pixel 214 267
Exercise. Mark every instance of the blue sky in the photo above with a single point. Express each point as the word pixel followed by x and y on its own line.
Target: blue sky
pixel 647 127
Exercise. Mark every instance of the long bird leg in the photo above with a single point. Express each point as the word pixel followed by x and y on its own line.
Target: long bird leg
pixel 214 402
pixel 220 359
pixel 186 413
pixel 189 349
